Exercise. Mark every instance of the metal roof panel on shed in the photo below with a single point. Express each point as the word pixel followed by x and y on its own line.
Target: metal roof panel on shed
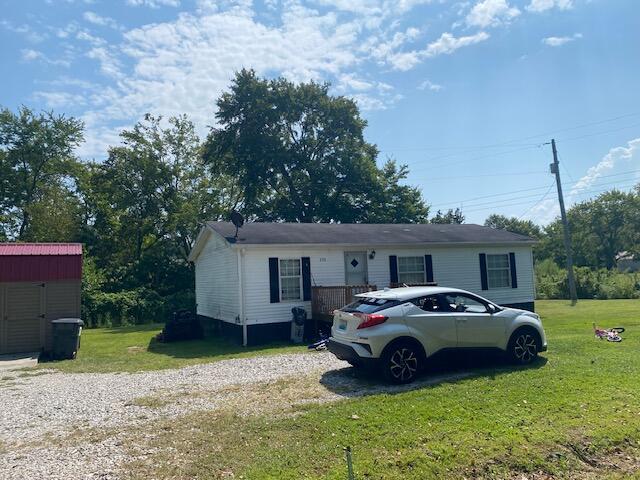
pixel 259 233
pixel 40 262
pixel 40 249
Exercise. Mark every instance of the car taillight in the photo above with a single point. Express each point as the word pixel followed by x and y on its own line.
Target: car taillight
pixel 372 320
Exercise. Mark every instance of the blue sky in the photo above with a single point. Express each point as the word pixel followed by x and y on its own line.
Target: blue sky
pixel 465 93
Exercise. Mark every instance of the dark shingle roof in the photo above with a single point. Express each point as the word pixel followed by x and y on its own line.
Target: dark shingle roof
pixel 363 234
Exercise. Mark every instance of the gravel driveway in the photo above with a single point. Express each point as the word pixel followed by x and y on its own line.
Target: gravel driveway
pixel 40 410
pixel 68 426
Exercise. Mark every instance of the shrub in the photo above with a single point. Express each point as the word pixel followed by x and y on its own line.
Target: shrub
pixel 551 282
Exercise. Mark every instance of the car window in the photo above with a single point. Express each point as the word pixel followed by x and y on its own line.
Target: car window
pixel 459 302
pixel 370 305
pixel 432 303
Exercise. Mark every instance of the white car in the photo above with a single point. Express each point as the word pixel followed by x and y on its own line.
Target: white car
pixel 398 329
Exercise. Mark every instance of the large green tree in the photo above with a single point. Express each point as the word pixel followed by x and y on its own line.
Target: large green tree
pixel 299 154
pixel 38 172
pixel 149 198
pixel 600 227
pixel 513 224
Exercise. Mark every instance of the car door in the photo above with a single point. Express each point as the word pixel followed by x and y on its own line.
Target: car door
pixel 431 323
pixel 475 325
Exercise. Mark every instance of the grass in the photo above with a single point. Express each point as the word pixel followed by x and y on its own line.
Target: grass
pixel 575 414
pixel 131 349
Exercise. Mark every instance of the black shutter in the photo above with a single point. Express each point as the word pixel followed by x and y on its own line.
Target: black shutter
pixel 274 280
pixel 512 267
pixel 306 278
pixel 393 269
pixel 428 267
pixel 483 272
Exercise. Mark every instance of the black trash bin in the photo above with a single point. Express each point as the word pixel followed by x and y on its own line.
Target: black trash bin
pixel 66 337
pixel 297 324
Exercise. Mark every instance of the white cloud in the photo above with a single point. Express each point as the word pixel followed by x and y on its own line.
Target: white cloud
pixel 447 43
pixel 543 5
pixel 60 99
pixel 29 33
pixel 183 65
pixel 96 19
pixel 109 64
pixel 429 85
pixel 154 3
pixel 559 41
pixel 609 162
pixel 491 13
pixel 625 158
pixel 30 55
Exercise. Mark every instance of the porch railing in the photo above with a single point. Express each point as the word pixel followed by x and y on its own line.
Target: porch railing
pixel 424 284
pixel 324 300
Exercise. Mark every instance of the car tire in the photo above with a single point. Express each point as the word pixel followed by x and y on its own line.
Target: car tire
pixel 524 346
pixel 401 362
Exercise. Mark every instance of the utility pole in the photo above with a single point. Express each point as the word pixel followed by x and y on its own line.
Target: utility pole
pixel 555 168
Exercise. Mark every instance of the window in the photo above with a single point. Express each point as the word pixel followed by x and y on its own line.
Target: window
pixel 370 305
pixel 459 302
pixel 290 288
pixel 411 270
pixel 432 304
pixel 498 271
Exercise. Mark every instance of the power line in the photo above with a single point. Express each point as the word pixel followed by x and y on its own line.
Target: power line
pixel 526 202
pixel 533 189
pixel 511 142
pixel 538 202
pixel 594 134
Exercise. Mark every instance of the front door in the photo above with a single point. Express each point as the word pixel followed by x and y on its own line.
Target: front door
pixel 355 267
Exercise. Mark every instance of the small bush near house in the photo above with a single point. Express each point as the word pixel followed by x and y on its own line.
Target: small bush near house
pixel 603 284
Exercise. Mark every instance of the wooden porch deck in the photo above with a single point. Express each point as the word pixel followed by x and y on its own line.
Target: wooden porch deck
pixel 324 300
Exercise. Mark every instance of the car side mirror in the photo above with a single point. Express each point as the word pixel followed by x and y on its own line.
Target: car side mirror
pixel 491 309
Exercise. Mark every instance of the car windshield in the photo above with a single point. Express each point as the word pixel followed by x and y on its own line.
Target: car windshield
pixel 369 305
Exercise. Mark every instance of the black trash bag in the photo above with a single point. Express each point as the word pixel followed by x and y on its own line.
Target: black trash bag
pixel 183 325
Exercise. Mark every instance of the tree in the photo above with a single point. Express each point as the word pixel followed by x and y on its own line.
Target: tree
pixel 450 216
pixel 149 198
pixel 393 202
pixel 513 224
pixel 600 229
pixel 37 168
pixel 299 154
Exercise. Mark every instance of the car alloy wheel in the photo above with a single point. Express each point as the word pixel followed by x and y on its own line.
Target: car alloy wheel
pixel 525 348
pixel 403 365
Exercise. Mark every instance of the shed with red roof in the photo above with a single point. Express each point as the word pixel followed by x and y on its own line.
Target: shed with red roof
pixel 39 282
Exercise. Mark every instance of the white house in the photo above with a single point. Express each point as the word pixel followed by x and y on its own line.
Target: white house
pixel 247 285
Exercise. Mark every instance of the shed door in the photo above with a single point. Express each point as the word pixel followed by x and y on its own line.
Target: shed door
pixel 355 267
pixel 22 328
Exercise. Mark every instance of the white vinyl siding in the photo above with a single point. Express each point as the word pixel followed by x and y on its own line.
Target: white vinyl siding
pixel 290 279
pixel 327 268
pixel 411 270
pixel 453 266
pixel 459 267
pixel 498 271
pixel 217 280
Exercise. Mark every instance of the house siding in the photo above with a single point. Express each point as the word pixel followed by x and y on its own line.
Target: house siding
pixel 456 266
pixel 217 280
pixel 327 268
pixel 459 267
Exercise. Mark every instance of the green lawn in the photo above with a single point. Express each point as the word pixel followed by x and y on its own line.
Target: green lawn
pixel 579 406
pixel 131 349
